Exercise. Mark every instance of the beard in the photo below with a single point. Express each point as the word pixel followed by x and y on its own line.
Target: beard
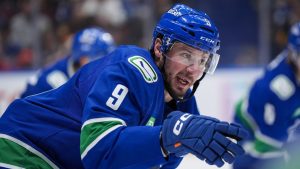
pixel 177 85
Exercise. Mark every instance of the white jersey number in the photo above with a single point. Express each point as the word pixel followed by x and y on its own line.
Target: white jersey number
pixel 117 97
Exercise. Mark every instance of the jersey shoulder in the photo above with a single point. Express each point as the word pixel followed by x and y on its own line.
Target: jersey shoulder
pixel 138 61
pixel 279 78
pixel 54 75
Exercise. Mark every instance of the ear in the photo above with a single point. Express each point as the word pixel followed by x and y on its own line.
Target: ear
pixel 158 53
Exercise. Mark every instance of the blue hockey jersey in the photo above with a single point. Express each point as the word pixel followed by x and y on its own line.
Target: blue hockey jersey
pixel 49 78
pixel 108 115
pixel 272 110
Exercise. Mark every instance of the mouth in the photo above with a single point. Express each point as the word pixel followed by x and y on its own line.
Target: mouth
pixel 183 82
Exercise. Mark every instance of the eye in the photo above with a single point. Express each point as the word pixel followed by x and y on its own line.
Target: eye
pixel 202 61
pixel 186 55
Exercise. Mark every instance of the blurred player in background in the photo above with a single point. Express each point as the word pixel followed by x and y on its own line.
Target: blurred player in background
pixel 88 44
pixel 272 110
pixel 113 114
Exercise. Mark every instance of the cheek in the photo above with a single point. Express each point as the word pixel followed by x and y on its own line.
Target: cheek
pixel 172 70
pixel 198 75
pixel 175 67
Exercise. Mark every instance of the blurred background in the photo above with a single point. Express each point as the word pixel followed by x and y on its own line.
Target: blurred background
pixel 36 33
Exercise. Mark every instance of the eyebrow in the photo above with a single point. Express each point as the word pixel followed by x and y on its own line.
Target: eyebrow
pixel 181 47
pixel 186 48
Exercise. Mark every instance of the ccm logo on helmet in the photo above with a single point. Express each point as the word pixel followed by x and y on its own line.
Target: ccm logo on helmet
pixel 207 39
pixel 179 123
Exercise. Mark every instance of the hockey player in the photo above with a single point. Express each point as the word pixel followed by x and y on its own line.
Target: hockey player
pixel 88 44
pixel 111 113
pixel 272 109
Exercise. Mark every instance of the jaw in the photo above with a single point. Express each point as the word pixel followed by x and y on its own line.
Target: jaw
pixel 179 84
pixel 182 83
pixel 179 88
pixel 173 90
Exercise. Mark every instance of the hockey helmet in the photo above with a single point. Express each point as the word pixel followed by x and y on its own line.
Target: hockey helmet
pixel 194 28
pixel 91 42
pixel 294 40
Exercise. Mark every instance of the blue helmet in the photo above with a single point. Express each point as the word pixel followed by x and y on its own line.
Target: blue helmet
pixel 194 28
pixel 294 39
pixel 91 42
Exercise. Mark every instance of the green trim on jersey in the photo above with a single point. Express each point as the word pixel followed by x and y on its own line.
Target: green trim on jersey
pixel 151 121
pixel 94 130
pixel 14 152
pixel 262 147
pixel 244 117
pixel 261 143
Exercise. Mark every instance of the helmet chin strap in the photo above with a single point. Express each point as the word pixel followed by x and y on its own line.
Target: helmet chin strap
pixel 169 90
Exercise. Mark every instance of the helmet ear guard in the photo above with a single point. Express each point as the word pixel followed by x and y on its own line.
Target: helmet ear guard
pixel 167 43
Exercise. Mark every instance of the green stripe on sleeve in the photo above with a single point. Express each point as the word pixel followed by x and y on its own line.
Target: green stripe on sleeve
pixel 263 147
pixel 262 143
pixel 14 152
pixel 245 118
pixel 94 130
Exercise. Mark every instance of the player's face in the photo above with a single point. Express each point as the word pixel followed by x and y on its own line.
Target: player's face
pixel 183 66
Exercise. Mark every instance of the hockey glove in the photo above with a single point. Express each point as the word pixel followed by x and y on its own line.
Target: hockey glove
pixel 207 138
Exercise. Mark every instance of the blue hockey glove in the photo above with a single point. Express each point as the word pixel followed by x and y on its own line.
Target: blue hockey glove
pixel 207 138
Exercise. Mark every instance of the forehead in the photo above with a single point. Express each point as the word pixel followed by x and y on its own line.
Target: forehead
pixel 178 47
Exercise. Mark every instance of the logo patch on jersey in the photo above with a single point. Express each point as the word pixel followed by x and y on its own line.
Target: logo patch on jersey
pixel 283 87
pixel 144 67
pixel 151 121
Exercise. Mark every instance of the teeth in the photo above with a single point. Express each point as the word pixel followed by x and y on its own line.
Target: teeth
pixel 182 81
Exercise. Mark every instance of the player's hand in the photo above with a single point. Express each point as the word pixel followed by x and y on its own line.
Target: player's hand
pixel 207 138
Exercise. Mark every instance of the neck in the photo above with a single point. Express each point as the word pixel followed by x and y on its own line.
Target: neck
pixel 167 96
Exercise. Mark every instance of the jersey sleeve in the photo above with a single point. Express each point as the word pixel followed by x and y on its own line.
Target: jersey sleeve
pixel 256 101
pixel 251 113
pixel 111 135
